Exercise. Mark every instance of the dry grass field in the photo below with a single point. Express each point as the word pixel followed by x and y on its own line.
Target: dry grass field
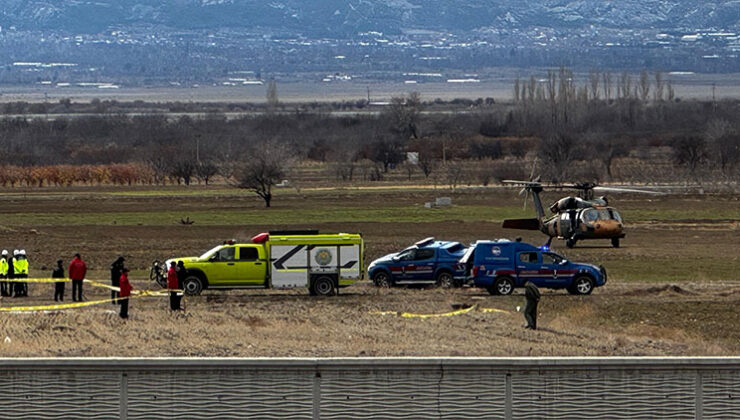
pixel 673 287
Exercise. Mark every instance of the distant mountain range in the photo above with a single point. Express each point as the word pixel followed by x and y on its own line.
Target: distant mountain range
pixel 345 18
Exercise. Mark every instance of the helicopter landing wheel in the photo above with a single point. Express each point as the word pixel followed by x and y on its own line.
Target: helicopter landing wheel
pixel 570 242
pixel 615 242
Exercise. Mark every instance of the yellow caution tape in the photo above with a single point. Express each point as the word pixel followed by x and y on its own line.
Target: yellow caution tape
pixel 60 306
pixel 493 310
pixel 33 280
pixel 66 305
pixel 453 313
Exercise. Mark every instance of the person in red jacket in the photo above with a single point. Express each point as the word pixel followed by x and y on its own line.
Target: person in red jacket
pixel 172 284
pixel 126 288
pixel 77 270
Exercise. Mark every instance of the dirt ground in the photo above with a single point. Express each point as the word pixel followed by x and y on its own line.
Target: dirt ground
pixel 673 287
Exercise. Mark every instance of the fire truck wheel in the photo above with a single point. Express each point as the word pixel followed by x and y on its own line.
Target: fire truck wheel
pixel 445 279
pixel 582 285
pixel 192 285
pixel 382 279
pixel 324 286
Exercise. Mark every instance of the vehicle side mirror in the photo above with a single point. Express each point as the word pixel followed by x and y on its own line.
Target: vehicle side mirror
pixel 563 262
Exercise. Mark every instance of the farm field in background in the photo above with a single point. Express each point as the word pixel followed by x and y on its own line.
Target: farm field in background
pixel 671 291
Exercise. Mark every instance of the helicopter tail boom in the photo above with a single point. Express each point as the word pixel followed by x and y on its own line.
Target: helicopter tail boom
pixel 523 224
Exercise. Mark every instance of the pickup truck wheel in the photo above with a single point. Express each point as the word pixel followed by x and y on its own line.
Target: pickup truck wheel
pixel 582 285
pixel 324 286
pixel 382 279
pixel 192 285
pixel 445 280
pixel 503 286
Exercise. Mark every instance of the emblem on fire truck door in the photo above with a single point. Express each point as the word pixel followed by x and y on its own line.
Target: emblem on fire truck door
pixel 323 256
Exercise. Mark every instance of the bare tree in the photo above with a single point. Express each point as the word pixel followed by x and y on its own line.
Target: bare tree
pixel 724 145
pixel 644 85
pixel 205 170
pixel 263 168
pixel 593 78
pixel 691 152
pixel 516 90
pixel 182 169
pixel 659 87
pixel 607 85
pixel 671 92
pixel 272 96
pixel 454 173
pixel 558 151
pixel 605 149
pixel 403 115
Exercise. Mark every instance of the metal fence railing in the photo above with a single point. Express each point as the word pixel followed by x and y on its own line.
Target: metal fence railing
pixel 371 388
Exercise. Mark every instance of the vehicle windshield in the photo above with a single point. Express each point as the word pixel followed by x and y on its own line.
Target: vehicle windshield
pixel 210 252
pixel 455 248
pixel 552 258
pixel 406 254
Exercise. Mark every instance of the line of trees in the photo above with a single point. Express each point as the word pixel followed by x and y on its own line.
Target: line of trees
pixel 575 128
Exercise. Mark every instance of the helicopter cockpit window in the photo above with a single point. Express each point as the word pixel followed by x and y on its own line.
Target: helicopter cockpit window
pixel 590 215
pixel 616 216
pixel 604 215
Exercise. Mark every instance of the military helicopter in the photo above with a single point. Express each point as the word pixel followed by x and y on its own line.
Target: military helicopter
pixel 575 218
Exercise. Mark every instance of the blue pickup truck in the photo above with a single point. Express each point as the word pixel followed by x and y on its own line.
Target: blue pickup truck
pixel 426 262
pixel 500 266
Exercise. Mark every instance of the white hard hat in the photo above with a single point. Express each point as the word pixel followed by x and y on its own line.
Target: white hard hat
pixel 5 252
pixel 23 252
pixel 15 252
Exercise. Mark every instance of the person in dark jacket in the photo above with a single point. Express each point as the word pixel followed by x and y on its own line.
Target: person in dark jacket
pixel 77 271
pixel 182 273
pixel 126 288
pixel 171 285
pixel 116 269
pixel 58 273
pixel 532 294
pixel 11 273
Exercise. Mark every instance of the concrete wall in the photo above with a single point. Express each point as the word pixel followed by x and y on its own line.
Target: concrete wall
pixel 371 388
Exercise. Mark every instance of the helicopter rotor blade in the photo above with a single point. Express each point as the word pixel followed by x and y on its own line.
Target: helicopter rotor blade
pixel 628 190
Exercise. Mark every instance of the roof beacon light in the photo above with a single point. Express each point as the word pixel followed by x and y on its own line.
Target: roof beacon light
pixel 261 238
pixel 425 242
pixel 230 242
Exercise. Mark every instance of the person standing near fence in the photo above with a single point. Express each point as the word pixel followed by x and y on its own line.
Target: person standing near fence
pixel 11 273
pixel 116 269
pixel 182 273
pixel 532 295
pixel 4 285
pixel 58 273
pixel 125 287
pixel 21 272
pixel 172 285
pixel 77 271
